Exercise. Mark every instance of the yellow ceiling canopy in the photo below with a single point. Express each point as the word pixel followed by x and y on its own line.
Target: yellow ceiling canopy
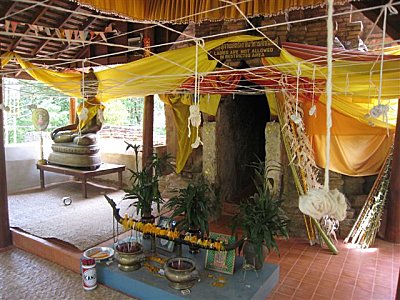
pixel 184 11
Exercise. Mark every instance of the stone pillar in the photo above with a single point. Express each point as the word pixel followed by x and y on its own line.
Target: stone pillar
pixel 208 134
pixel 273 155
pixel 5 233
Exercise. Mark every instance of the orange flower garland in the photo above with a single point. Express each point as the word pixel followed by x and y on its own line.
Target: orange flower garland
pixel 170 234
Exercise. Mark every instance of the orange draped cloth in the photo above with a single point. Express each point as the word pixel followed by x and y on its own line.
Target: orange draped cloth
pixel 357 149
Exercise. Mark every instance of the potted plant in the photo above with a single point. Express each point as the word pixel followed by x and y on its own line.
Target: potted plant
pixel 193 207
pixel 145 190
pixel 261 219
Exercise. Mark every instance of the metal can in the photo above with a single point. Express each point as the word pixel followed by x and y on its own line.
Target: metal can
pixel 89 275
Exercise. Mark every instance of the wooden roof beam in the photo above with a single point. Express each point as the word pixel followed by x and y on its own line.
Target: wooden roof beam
pixel 32 21
pixel 64 21
pixel 7 8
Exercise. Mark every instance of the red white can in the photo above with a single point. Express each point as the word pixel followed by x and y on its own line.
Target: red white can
pixel 89 275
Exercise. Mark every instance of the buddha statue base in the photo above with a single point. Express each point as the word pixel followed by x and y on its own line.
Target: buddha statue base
pixel 77 156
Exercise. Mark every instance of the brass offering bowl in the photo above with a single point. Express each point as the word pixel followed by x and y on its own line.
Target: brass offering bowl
pixel 129 256
pixel 181 272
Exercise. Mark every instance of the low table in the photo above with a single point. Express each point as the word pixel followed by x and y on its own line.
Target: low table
pixel 83 175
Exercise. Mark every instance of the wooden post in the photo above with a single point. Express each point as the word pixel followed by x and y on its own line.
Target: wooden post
pixel 5 233
pixel 392 233
pixel 148 117
pixel 148 111
pixel 72 110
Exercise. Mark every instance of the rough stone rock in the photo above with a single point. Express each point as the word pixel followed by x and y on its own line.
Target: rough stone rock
pixel 170 185
pixel 358 201
pixel 353 185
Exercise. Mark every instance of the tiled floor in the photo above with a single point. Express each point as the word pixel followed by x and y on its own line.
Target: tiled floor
pixel 311 272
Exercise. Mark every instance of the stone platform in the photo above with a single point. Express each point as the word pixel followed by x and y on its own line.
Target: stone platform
pixel 146 285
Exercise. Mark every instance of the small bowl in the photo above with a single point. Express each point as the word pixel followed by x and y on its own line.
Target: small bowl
pixel 99 253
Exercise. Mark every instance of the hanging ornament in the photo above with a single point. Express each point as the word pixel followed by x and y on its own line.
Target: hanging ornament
pixel 312 110
pixel 197 143
pixel 84 114
pixel 379 110
pixel 295 118
pixel 100 115
pixel 4 107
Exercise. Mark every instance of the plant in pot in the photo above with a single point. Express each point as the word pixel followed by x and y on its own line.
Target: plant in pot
pixel 144 191
pixel 193 207
pixel 261 219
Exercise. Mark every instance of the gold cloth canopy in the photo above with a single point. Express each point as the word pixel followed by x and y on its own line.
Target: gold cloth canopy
pixel 184 11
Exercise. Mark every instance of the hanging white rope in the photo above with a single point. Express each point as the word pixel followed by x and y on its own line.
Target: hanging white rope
pixel 313 108
pixel 84 113
pixel 328 92
pixel 381 109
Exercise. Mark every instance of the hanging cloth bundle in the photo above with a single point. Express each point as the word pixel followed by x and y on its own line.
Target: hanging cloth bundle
pixel 194 109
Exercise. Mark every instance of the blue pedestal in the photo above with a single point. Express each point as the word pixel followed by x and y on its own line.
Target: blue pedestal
pixel 146 285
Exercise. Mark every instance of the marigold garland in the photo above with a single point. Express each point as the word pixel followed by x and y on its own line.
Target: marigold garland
pixel 170 234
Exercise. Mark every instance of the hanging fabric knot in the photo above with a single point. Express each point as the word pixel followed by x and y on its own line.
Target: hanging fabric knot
pixel 195 121
pixel 84 114
pixel 392 10
pixel 196 143
pixel 4 107
pixel 296 119
pixel 312 110
pixel 379 110
pixel 100 115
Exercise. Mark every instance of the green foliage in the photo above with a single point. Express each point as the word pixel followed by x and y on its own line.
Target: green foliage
pixel 116 113
pixel 145 190
pixel 261 217
pixel 196 204
pixel 20 94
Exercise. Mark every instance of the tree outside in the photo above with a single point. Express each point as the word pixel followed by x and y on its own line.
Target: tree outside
pixel 19 95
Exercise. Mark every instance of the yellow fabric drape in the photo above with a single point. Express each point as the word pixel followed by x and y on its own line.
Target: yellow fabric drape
pixel 180 107
pixel 358 79
pixel 183 11
pixel 93 106
pixel 359 111
pixel 357 149
pixel 157 74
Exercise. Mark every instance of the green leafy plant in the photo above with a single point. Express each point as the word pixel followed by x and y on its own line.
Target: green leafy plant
pixel 145 189
pixel 261 217
pixel 195 204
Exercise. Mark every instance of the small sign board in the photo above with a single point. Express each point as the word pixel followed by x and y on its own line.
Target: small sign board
pixel 221 261
pixel 246 50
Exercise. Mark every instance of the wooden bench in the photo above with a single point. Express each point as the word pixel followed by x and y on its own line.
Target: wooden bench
pixel 83 175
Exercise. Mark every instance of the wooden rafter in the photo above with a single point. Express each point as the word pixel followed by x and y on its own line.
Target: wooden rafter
pixel 64 21
pixel 7 8
pixel 32 21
